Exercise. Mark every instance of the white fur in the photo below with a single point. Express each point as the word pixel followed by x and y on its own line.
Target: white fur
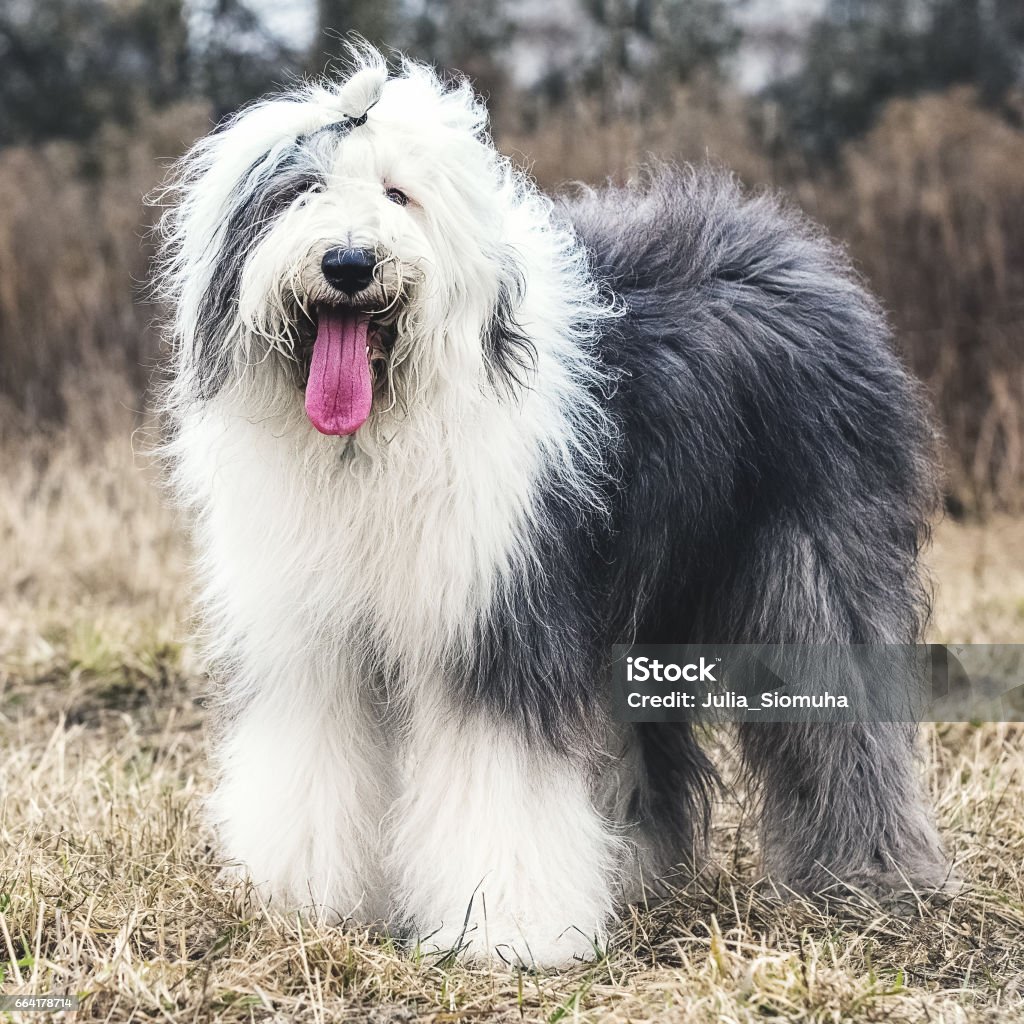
pixel 498 849
pixel 337 572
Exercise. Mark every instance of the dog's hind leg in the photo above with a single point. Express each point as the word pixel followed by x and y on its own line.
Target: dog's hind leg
pixel 498 849
pixel 663 787
pixel 839 802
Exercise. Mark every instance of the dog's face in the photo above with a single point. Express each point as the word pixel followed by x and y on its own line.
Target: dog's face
pixel 349 240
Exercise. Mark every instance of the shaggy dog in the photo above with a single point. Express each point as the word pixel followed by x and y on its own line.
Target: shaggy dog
pixel 447 441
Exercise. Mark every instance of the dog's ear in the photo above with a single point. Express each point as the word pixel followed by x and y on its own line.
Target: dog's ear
pixel 510 352
pixel 261 195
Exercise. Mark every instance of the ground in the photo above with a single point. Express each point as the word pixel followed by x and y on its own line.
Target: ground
pixel 109 886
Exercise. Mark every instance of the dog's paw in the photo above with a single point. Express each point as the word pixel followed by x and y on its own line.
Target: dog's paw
pixel 510 943
pixel 894 892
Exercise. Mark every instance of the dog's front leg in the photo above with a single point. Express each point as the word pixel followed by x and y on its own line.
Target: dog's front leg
pixel 303 783
pixel 498 851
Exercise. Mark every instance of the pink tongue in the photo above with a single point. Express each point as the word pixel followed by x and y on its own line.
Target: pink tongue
pixel 340 390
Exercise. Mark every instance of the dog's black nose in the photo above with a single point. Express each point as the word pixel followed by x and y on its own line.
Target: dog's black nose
pixel 349 270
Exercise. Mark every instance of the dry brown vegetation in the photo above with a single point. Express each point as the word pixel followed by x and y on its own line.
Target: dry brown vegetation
pixel 109 886
pixel 931 207
pixel 75 247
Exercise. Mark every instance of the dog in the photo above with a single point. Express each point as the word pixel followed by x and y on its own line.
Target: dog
pixel 446 441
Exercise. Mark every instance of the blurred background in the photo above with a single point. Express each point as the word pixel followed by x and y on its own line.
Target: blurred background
pixel 898 123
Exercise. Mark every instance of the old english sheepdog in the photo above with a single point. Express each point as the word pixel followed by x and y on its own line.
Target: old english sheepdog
pixel 447 441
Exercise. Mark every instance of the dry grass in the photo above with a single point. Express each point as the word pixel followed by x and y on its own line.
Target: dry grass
pixel 978 569
pixel 108 886
pixel 75 253
pixel 932 207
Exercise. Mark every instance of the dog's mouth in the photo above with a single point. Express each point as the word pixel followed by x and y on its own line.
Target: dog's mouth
pixel 343 355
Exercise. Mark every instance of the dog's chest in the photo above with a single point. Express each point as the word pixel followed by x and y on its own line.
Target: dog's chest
pixel 423 551
pixel 398 558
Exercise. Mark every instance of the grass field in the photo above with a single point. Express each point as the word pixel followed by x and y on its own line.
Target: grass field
pixel 109 887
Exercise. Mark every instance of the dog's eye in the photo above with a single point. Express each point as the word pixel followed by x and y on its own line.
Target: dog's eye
pixel 396 195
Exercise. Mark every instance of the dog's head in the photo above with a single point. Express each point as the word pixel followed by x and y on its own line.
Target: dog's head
pixel 349 246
